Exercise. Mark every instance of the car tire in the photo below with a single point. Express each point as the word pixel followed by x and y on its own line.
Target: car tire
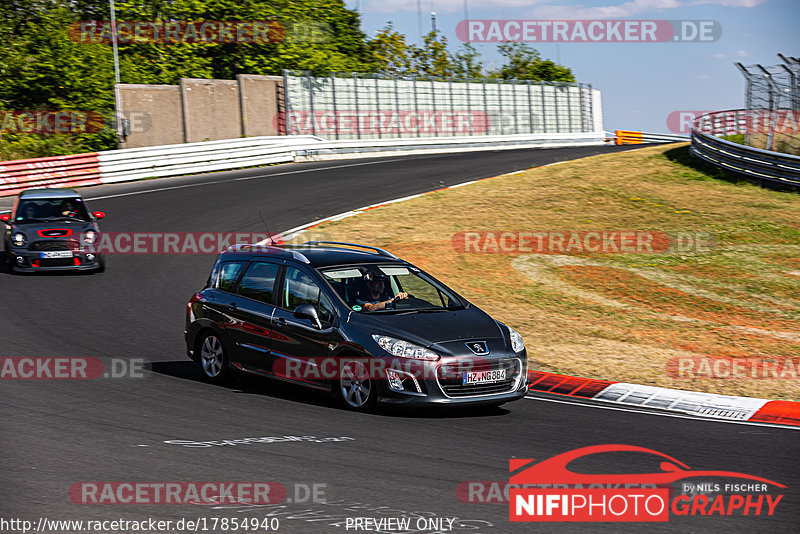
pixel 213 358
pixel 101 265
pixel 355 389
pixel 5 265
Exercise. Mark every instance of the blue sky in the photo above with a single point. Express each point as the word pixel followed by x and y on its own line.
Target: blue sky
pixel 641 83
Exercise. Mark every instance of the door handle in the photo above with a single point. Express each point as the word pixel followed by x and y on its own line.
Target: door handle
pixel 280 321
pixel 232 306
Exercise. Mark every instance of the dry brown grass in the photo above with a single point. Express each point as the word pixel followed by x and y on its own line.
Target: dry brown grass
pixel 617 316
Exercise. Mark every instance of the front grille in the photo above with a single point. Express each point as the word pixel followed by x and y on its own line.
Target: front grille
pixel 56 262
pixel 54 244
pixel 450 379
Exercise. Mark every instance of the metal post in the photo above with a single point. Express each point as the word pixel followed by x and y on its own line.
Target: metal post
pixel 486 107
pixel 397 105
pixel 378 105
pixel 286 103
pixel 500 107
pixel 555 107
pixel 514 106
pixel 569 108
pixel 452 102
pixel 530 109
pixel 117 111
pixel 335 112
pixel 416 104
pixel 795 90
pixel 355 95
pixel 468 89
pixel 544 113
pixel 748 102
pixel 433 103
pixel 590 108
pixel 311 103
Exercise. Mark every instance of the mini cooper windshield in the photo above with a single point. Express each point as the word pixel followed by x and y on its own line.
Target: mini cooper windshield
pixel 40 210
pixel 402 289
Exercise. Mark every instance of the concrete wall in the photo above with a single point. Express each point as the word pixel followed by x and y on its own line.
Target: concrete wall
pixel 211 109
pixel 199 110
pixel 154 112
pixel 259 103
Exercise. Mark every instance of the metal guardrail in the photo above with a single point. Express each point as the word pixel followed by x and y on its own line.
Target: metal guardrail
pixel 628 137
pixel 174 160
pixel 745 161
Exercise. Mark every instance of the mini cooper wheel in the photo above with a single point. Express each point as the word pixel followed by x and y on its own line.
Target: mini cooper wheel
pixel 213 359
pixel 355 388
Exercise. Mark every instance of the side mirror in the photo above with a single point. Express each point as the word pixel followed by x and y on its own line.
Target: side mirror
pixel 5 217
pixel 307 311
pixel 98 214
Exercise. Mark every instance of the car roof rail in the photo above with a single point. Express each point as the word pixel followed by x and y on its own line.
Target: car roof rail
pixel 269 249
pixel 376 250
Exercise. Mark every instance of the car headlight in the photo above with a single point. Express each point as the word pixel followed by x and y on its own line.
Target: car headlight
pixel 517 345
pixel 404 349
pixel 18 239
pixel 89 237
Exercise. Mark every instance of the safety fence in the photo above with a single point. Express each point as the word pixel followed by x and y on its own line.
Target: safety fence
pixel 374 106
pixel 709 144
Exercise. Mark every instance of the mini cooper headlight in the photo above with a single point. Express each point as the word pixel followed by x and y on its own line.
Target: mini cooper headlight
pixel 18 239
pixel 89 237
pixel 404 349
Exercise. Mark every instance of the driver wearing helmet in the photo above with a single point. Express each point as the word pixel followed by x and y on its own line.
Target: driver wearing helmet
pixel 374 299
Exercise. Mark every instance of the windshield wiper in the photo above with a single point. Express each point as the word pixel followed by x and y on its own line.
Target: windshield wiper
pixel 426 310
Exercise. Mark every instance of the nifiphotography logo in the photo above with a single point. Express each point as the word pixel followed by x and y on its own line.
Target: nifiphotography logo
pixel 549 491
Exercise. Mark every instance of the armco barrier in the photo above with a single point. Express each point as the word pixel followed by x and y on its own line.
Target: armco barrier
pixel 349 149
pixel 628 137
pixel 77 170
pixel 171 160
pixel 745 161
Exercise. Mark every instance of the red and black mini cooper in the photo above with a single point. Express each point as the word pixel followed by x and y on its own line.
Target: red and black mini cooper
pixel 51 229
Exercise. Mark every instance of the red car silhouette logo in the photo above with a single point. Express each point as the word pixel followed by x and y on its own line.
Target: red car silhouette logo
pixel 554 470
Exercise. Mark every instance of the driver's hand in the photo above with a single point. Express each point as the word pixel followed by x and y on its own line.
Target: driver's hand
pixel 401 295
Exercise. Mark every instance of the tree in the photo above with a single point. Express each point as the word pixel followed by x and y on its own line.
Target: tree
pixel 390 52
pixel 466 63
pixel 525 63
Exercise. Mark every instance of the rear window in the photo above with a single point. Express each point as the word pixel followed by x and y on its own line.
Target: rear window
pixel 228 274
pixel 258 282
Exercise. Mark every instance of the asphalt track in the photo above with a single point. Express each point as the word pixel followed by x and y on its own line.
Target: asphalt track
pixel 55 433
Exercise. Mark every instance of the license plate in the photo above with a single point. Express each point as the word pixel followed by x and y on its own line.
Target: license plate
pixel 57 254
pixel 483 377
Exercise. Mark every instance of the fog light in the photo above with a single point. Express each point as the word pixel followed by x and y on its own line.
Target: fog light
pixel 396 379
pixel 90 257
pixel 20 260
pixel 395 382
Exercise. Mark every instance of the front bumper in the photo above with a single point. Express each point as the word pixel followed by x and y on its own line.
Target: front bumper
pixel 433 390
pixel 32 261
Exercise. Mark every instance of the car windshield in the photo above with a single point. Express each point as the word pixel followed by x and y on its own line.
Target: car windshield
pixel 361 284
pixel 51 209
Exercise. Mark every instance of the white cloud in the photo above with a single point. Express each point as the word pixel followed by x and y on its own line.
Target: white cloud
pixel 742 53
pixel 702 77
pixel 717 56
